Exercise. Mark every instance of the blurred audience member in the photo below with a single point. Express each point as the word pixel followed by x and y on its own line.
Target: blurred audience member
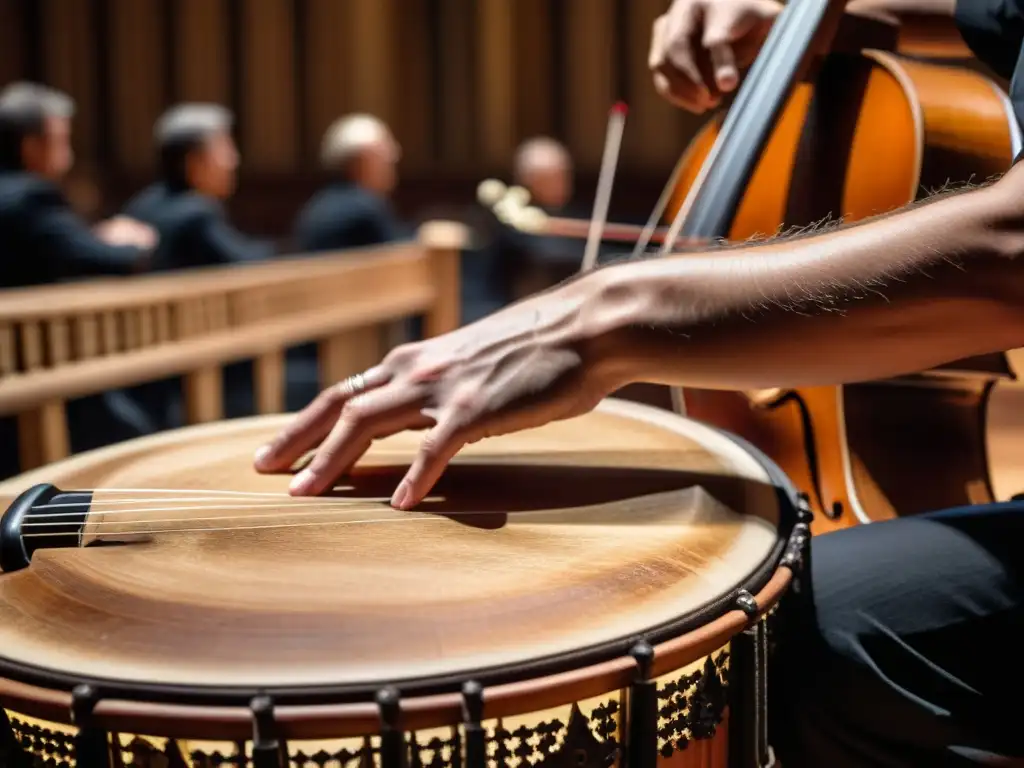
pixel 543 166
pixel 355 209
pixel 42 240
pixel 506 262
pixel 198 172
pixel 198 168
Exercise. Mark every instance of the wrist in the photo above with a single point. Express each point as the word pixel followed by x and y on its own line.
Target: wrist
pixel 621 310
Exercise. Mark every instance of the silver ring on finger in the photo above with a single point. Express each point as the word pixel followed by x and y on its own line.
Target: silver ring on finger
pixel 352 386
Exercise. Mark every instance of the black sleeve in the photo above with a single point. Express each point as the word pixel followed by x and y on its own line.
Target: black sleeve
pixel 226 245
pixel 993 30
pixel 73 248
pixel 382 226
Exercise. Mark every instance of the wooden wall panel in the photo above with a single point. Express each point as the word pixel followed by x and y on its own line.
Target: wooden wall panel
pixel 269 107
pixel 373 57
pixel 591 76
pixel 414 126
pixel 70 64
pixel 656 131
pixel 12 42
pixel 326 63
pixel 496 83
pixel 136 80
pixel 457 56
pixel 535 80
pixel 461 82
pixel 201 53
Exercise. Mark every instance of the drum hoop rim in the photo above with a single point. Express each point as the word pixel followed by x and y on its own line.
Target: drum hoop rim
pixel 359 719
pixel 673 637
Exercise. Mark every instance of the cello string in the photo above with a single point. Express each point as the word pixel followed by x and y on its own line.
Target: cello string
pixel 205 529
pixel 213 502
pixel 605 180
pixel 659 208
pixel 151 521
pixel 312 512
pixel 311 503
pixel 276 495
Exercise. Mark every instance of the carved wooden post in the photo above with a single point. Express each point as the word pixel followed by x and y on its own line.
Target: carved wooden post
pixel 444 241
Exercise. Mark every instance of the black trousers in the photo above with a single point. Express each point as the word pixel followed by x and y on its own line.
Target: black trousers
pixel 911 650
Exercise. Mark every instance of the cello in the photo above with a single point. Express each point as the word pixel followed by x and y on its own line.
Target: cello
pixel 825 126
pixel 874 131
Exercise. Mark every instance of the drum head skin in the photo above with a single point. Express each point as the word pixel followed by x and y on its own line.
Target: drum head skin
pixel 533 547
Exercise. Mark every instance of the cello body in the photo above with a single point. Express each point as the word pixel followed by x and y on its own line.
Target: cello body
pixel 865 134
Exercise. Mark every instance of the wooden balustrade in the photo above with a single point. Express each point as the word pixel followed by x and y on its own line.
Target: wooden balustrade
pixel 71 340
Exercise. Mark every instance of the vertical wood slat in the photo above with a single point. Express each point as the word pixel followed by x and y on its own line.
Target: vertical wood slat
pixel 414 123
pixel 87 337
pixel 371 65
pixel 458 140
pixel 201 55
pixel 327 86
pixel 111 335
pixel 137 80
pixel 164 328
pixel 443 244
pixel 70 64
pixel 43 436
pixel 269 124
pixel 657 132
pixel 12 43
pixel 591 82
pixel 58 339
pixel 534 69
pixel 8 350
pixel 496 91
pixel 32 346
pixel 269 381
pixel 204 395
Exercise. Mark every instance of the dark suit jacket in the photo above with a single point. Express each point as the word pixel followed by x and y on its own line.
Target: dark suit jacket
pixel 42 240
pixel 194 230
pixel 344 215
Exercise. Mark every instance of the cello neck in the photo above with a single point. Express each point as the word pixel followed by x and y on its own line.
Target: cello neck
pixel 802 28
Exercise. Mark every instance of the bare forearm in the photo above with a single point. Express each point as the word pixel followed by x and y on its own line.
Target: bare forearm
pixel 895 295
pixel 899 8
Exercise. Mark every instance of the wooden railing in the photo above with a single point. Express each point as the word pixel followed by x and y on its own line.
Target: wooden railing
pixel 71 340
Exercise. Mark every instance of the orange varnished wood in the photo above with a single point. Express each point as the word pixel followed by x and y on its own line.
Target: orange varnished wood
pixel 533 545
pixel 873 132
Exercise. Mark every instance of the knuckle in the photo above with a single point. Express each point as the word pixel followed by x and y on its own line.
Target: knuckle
pixel 356 410
pixel 401 356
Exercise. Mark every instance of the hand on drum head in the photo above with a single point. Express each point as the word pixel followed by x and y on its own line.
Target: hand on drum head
pixel 699 46
pixel 527 365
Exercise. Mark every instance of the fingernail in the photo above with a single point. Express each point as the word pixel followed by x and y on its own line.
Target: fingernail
pixel 301 482
pixel 261 455
pixel 401 495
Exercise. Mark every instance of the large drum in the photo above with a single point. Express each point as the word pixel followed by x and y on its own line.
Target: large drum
pixel 595 592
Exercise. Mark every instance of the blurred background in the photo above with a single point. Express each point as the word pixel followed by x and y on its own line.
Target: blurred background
pixel 250 180
pixel 460 82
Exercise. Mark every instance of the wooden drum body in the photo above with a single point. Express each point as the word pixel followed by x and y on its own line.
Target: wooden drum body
pixel 594 592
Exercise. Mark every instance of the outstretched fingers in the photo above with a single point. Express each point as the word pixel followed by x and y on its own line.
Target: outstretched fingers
pixel 314 422
pixel 363 419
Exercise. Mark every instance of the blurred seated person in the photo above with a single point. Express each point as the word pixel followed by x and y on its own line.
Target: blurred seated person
pixel 198 164
pixel 354 210
pixel 43 241
pixel 198 171
pixel 506 262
